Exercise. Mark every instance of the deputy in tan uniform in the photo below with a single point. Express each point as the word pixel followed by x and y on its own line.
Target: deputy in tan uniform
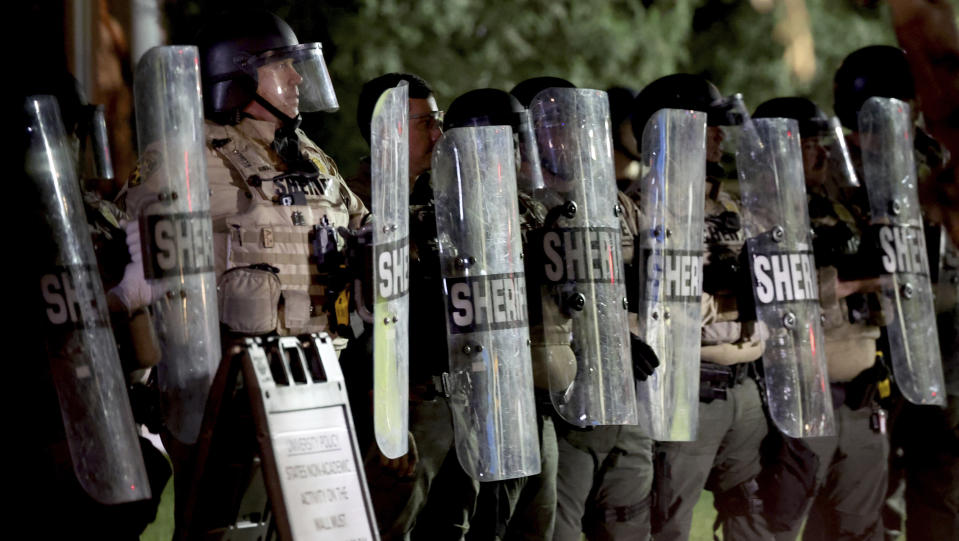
pixel 724 458
pixel 604 472
pixel 851 478
pixel 276 197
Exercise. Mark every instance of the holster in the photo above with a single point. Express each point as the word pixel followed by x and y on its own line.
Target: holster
pixel 716 379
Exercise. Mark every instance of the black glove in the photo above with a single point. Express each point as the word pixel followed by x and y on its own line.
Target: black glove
pixel 645 360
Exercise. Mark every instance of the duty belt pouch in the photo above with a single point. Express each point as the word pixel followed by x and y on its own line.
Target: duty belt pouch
pixel 787 480
pixel 248 299
pixel 714 380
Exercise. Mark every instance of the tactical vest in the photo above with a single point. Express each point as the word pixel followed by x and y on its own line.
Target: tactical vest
pixel 291 218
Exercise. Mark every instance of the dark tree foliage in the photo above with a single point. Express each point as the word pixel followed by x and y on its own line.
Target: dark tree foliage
pixel 459 45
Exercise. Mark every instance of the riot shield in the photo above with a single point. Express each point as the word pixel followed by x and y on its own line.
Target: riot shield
pixel 670 271
pixel 84 363
pixel 529 176
pixel 391 253
pixel 889 172
pixel 579 256
pixel 491 374
pixel 176 232
pixel 842 172
pixel 783 275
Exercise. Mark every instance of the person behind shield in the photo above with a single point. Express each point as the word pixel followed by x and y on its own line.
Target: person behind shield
pixel 604 473
pixel 923 440
pixel 850 479
pixel 276 198
pixel 399 487
pixel 724 458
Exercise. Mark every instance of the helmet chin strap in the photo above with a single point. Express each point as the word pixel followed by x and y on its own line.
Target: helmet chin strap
pixel 288 122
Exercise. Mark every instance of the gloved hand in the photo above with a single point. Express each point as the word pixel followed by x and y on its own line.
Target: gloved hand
pixel 133 291
pixel 645 360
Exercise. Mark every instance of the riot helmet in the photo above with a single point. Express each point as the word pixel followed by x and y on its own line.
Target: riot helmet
pixel 482 107
pixel 549 138
pixel 696 93
pixel 249 56
pixel 684 91
pixel 874 71
pixel 620 110
pixel 825 154
pixel 526 90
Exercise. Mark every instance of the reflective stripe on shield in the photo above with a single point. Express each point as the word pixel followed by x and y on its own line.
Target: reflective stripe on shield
pixel 176 232
pixel 391 252
pixel 670 271
pixel 491 374
pixel 889 171
pixel 783 275
pixel 84 363
pixel 579 258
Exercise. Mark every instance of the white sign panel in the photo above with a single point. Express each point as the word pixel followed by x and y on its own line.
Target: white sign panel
pixel 319 477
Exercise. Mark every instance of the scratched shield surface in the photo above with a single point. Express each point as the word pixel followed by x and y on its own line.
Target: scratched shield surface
pixel 581 278
pixel 670 271
pixel 889 171
pixel 491 376
pixel 84 363
pixel 390 191
pixel 176 232
pixel 783 275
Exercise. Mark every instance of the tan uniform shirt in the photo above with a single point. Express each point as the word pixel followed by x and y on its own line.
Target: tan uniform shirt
pixel 725 340
pixel 850 346
pixel 261 214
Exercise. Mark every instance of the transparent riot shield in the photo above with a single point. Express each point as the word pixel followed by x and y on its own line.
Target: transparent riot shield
pixel 391 254
pixel 84 363
pixel 670 271
pixel 529 177
pixel 842 173
pixel 176 232
pixel 889 171
pixel 491 374
pixel 578 254
pixel 783 273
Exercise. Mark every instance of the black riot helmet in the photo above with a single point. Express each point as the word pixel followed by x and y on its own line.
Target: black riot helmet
pixel 812 120
pixel 482 107
pixel 874 71
pixel 684 91
pixel 620 108
pixel 526 90
pixel 239 48
pixel 825 153
pixel 620 103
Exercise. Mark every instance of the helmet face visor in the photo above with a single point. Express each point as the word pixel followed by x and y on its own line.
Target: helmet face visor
pixel 294 79
pixel 826 158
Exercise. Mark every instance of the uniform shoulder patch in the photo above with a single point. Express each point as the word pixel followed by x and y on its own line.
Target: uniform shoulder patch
pixel 134 179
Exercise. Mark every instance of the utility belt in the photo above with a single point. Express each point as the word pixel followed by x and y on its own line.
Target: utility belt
pixel 865 390
pixel 716 379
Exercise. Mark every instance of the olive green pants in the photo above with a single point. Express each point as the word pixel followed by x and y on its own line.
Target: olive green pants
pixel 398 501
pixel 459 507
pixel 928 439
pixel 724 459
pixel 603 485
pixel 850 481
pixel 521 509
